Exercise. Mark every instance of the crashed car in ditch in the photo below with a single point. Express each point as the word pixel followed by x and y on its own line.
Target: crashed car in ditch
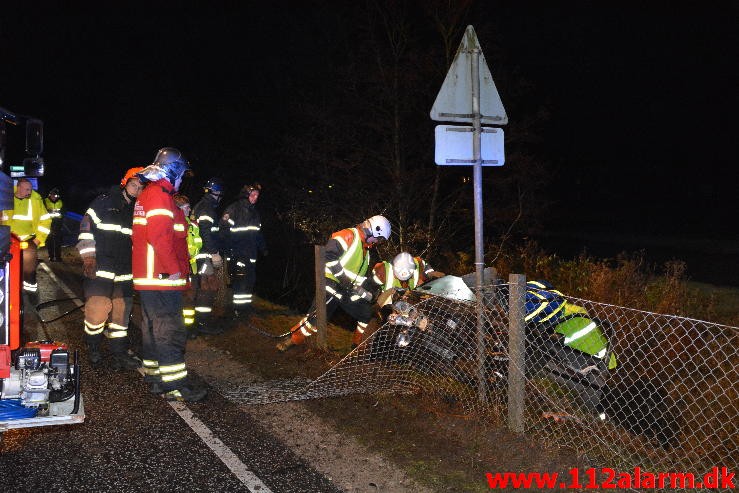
pixel 433 329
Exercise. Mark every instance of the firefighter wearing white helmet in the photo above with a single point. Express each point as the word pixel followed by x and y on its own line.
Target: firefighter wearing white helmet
pixel 347 263
pixel 405 272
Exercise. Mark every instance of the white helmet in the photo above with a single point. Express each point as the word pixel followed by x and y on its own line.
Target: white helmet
pixel 379 226
pixel 403 266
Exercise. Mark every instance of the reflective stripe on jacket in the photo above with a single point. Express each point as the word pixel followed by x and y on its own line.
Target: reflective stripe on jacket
pixel 194 243
pixel 206 217
pixel 347 257
pixel 384 276
pixel 105 233
pixel 54 208
pixel 159 240
pixel 241 230
pixel 28 217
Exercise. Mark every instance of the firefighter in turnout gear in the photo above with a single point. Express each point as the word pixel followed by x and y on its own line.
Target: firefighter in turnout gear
pixel 161 267
pixel 543 302
pixel 53 203
pixel 30 221
pixel 206 280
pixel 104 244
pixel 194 244
pixel 405 272
pixel 242 240
pixel 548 310
pixel 347 262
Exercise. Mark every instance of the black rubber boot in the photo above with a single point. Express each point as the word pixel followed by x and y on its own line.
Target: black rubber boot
pixel 186 394
pixel 155 384
pixel 208 329
pixel 192 331
pixel 94 354
pixel 123 361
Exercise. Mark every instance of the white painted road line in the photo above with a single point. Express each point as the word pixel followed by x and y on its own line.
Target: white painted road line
pixel 248 478
pixel 229 459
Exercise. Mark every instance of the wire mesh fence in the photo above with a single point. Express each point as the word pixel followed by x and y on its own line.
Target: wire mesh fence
pixel 624 387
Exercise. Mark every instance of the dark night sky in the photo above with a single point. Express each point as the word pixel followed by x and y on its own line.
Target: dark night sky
pixel 642 95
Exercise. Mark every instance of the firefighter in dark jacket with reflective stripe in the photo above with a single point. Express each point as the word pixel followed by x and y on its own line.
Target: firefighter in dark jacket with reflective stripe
pixel 241 231
pixel 105 247
pixel 209 258
pixel 347 263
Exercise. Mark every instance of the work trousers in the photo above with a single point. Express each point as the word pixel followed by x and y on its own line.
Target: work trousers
pixel 29 258
pixel 54 240
pixel 107 312
pixel 164 337
pixel 205 296
pixel 243 274
pixel 337 297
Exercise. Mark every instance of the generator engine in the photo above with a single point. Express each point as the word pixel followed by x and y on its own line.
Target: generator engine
pixel 42 373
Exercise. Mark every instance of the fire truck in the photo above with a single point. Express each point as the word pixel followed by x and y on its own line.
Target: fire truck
pixel 39 380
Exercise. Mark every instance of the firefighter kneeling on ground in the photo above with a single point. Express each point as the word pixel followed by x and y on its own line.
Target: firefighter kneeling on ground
pixel 347 262
pixel 105 247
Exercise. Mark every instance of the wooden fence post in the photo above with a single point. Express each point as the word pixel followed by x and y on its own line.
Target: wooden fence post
pixel 516 353
pixel 320 261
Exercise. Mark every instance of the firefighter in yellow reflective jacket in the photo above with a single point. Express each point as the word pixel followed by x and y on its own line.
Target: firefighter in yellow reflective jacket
pixel 53 203
pixel 347 263
pixel 404 272
pixel 547 310
pixel 194 244
pixel 30 221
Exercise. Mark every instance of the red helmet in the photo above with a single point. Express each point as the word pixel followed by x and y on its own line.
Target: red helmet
pixel 130 174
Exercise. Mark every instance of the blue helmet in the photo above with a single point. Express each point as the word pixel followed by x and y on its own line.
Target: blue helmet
pixel 215 184
pixel 169 163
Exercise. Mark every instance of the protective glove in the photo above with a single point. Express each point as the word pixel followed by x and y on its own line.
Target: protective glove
pixel 206 269
pixel 359 293
pixel 90 267
pixel 217 260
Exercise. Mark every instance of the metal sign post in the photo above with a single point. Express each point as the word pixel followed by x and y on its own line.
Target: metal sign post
pixel 463 98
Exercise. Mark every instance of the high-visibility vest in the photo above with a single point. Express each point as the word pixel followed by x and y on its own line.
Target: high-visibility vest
pixel 194 243
pixel 354 261
pixel 29 217
pixel 383 275
pixel 585 335
pixel 54 208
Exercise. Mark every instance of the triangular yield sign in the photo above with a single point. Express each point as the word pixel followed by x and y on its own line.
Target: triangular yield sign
pixel 454 102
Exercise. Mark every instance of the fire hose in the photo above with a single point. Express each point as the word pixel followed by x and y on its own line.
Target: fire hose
pixel 292 330
pixel 46 304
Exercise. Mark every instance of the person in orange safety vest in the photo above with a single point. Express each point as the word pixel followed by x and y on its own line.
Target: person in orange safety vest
pixel 347 263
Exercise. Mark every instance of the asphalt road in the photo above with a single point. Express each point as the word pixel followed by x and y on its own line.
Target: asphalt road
pixel 134 441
